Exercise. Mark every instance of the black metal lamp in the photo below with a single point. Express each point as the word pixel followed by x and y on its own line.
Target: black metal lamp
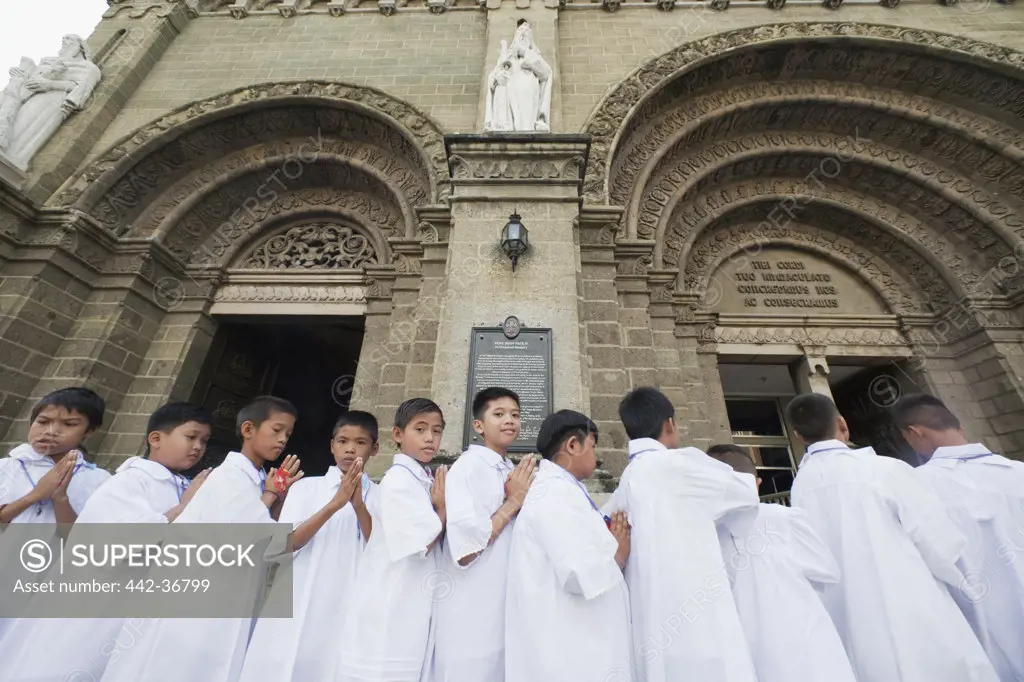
pixel 514 239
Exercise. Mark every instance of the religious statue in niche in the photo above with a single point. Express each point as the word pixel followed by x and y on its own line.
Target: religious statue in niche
pixel 40 97
pixel 519 87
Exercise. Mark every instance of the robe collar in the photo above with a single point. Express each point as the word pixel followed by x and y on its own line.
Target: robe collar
pixel 826 445
pixel 153 469
pixel 418 469
pixel 240 461
pixel 972 451
pixel 490 456
pixel 638 446
pixel 25 453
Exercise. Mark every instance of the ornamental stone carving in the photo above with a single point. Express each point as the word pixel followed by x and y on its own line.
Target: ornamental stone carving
pixel 518 96
pixel 138 9
pixel 260 293
pixel 320 246
pixel 619 104
pixel 103 174
pixel 40 97
pixel 810 335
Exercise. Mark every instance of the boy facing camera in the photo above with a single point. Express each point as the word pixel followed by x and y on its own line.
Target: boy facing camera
pixel 332 515
pixel 567 610
pixel 483 493
pixel 47 480
pixel 895 546
pixel 148 489
pixel 775 570
pixel 388 621
pixel 238 491
pixel 676 574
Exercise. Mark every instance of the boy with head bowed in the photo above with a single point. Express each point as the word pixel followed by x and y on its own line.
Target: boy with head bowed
pixel 567 609
pixel 238 491
pixel 484 491
pixel 685 624
pixel 333 518
pixel 984 494
pixel 387 631
pixel 897 552
pixel 776 570
pixel 149 489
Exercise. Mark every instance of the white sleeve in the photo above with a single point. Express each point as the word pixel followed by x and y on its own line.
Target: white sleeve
pixel 407 515
pixel 8 471
pixel 617 502
pixel 123 499
pixel 580 547
pixel 927 523
pixel 732 499
pixel 469 527
pixel 810 555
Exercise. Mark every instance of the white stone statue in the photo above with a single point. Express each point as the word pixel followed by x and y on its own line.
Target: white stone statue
pixel 39 98
pixel 519 87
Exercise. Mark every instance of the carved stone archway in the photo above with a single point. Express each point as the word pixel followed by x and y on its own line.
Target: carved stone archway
pixel 896 152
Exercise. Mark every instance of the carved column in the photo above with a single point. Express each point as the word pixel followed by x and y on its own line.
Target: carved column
pixel 129 41
pixel 368 390
pixel 810 373
pixel 540 176
pixel 698 359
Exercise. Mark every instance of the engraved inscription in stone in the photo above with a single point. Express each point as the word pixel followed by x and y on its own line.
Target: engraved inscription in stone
pixel 522 364
pixel 788 281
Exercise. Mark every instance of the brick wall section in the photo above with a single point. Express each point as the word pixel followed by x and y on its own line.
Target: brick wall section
pixel 39 303
pixel 432 62
pixel 598 49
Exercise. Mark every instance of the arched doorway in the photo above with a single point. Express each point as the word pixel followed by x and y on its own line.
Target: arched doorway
pixel 277 220
pixel 885 161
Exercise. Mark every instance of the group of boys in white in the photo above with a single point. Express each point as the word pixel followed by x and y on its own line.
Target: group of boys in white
pixel 500 571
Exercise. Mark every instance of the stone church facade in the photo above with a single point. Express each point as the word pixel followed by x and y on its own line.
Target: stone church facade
pixel 735 204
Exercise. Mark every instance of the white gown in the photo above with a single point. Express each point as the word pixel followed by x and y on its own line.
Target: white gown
pixel 984 494
pixel 20 471
pixel 894 543
pixel 567 609
pixel 140 492
pixel 308 645
pixel 469 643
pixel 775 571
pixel 191 649
pixel 685 623
pixel 387 628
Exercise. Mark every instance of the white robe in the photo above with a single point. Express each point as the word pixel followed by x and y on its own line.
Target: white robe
pixel 893 542
pixel 387 628
pixel 191 649
pixel 567 609
pixel 775 570
pixel 140 492
pixel 984 494
pixel 685 623
pixel 308 645
pixel 20 471
pixel 469 643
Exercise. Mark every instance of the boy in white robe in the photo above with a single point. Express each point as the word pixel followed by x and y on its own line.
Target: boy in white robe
pixel 387 631
pixel 483 493
pixel 775 570
pixel 685 623
pixel 333 519
pixel 984 494
pixel 894 543
pixel 47 480
pixel 567 609
pixel 238 491
pixel 146 489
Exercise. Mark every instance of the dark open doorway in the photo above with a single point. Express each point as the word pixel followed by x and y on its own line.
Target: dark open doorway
pixel 301 359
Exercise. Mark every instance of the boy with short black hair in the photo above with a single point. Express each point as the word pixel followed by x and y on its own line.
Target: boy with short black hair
pixel 238 491
pixel 144 490
pixel 984 494
pixel 774 570
pixel 47 480
pixel 674 498
pixel 484 491
pixel 567 607
pixel 387 630
pixel 332 515
pixel 894 542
